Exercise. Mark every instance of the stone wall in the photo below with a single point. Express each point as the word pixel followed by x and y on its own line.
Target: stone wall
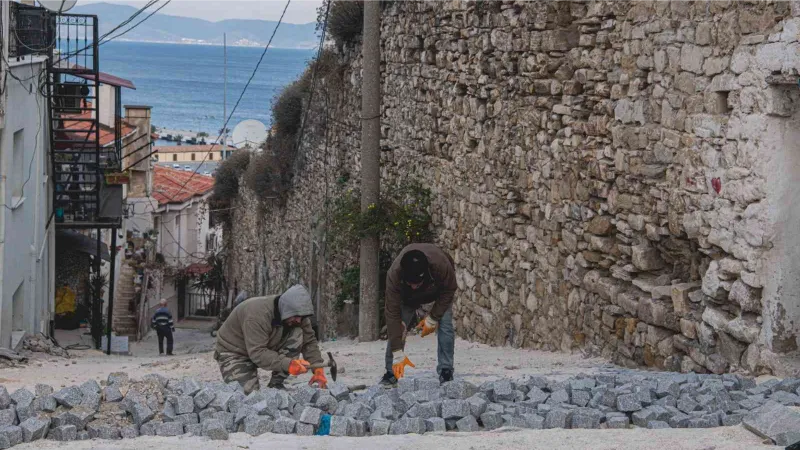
pixel 614 177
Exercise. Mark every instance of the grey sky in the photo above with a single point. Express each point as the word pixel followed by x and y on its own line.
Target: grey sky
pixel 300 11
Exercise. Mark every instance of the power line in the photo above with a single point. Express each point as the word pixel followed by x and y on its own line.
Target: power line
pixel 255 70
pixel 137 24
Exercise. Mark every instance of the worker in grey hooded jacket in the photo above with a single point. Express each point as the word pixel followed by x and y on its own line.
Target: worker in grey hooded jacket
pixel 270 333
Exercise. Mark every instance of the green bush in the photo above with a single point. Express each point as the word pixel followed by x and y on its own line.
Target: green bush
pixel 346 20
pixel 226 183
pixel 287 111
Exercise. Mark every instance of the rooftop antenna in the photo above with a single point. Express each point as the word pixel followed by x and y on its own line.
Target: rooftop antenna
pixel 249 133
pixel 58 6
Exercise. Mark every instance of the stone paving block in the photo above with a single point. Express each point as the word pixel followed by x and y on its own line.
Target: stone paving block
pixel 455 409
pixel 141 413
pixel 304 429
pixel 284 425
pixel 187 419
pixel 356 428
pixel 603 397
pixel 581 398
pixel 435 424
pixel 25 412
pixel 194 429
pixel 221 399
pixel 502 391
pixel 679 420
pixel 707 421
pixel 34 429
pixel 657 425
pixel 584 418
pixel 129 432
pixel 427 384
pixel 5 398
pixel 338 391
pixel 429 410
pixel 536 395
pixel 103 431
pixel 227 420
pixel 22 397
pixel 8 416
pixel 556 418
pixel 157 377
pixel 170 429
pixel 510 420
pixel 460 389
pixel 117 378
pixel 379 427
pixel 91 400
pixel 83 436
pixel 149 429
pixel 558 397
pixel 668 387
pixel 785 398
pixel 628 403
pixel 63 433
pixel 203 398
pixel 618 422
pixel 190 387
pixel 731 420
pixel 311 415
pixel 215 430
pixel 772 419
pixel 533 421
pixel 183 404
pixel 338 425
pixel 112 394
pixel 667 401
pixel 406 385
pixel 407 426
pixel 468 423
pixel 306 395
pixel 42 390
pixel 78 417
pixel 257 425
pixel 12 433
pixel 244 412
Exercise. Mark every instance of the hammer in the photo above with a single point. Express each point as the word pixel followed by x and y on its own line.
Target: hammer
pixel 331 363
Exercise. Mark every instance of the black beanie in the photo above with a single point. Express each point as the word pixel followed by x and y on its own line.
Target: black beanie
pixel 414 266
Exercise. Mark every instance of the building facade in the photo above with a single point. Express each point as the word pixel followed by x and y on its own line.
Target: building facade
pixel 192 153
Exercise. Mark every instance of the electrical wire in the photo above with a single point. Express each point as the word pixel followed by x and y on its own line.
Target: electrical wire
pixel 255 70
pixel 102 42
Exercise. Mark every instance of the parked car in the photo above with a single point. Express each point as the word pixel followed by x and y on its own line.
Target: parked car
pixel 188 168
pixel 207 173
pixel 176 166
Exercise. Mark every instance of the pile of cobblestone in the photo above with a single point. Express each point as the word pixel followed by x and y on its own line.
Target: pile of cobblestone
pixel 155 405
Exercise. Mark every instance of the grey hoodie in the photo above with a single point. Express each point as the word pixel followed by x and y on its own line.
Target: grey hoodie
pixel 296 301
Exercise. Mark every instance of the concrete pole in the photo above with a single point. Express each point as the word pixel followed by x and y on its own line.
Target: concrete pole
pixel 370 169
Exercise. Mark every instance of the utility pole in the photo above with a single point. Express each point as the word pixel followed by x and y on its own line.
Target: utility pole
pixel 225 94
pixel 370 169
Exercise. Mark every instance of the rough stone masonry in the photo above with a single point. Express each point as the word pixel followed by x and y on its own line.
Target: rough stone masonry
pixel 622 398
pixel 616 177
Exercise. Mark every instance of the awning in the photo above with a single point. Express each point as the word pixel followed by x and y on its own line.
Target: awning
pixel 72 240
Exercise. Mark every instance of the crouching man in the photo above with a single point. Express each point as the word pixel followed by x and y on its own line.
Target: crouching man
pixel 270 333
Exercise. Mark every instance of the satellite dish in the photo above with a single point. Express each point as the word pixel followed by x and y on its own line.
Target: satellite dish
pixel 249 133
pixel 58 5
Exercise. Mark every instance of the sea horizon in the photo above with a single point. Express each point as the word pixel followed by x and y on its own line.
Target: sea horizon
pixel 183 82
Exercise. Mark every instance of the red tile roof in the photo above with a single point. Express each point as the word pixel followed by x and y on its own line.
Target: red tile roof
pixel 168 185
pixel 106 132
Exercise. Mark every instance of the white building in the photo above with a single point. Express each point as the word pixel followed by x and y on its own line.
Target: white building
pixel 27 242
pixel 186 237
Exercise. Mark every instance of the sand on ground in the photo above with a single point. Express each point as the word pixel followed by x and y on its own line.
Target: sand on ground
pixel 362 363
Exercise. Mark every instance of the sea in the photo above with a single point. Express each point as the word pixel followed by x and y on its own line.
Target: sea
pixel 184 83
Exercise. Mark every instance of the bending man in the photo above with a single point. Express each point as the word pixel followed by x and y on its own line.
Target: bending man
pixel 421 274
pixel 269 333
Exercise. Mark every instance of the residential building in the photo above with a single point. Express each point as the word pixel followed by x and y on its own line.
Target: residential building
pixel 26 227
pixel 186 235
pixel 193 153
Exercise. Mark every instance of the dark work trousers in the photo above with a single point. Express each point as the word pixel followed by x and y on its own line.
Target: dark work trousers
pixel 164 332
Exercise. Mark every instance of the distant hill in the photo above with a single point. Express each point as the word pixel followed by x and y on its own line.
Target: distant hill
pixel 166 28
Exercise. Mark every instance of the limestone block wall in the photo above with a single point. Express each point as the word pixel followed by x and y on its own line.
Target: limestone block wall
pixel 614 177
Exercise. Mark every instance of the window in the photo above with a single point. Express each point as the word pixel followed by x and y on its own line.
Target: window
pixel 192 156
pixel 210 156
pixel 174 157
pixel 18 164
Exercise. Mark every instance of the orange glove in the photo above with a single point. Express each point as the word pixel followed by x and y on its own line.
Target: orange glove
pixel 319 378
pixel 400 363
pixel 427 325
pixel 298 366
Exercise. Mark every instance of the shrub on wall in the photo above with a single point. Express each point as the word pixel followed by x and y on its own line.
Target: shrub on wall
pixel 226 183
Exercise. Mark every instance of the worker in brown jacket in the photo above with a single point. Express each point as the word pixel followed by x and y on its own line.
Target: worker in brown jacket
pixel 421 274
pixel 270 333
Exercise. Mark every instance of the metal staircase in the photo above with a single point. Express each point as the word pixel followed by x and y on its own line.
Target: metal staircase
pixel 79 161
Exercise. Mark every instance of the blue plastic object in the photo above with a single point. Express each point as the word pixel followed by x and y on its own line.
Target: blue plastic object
pixel 324 425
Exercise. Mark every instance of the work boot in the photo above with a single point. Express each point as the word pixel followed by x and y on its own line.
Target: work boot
pixel 446 375
pixel 388 380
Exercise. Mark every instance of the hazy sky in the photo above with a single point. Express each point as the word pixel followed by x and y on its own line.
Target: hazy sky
pixel 300 11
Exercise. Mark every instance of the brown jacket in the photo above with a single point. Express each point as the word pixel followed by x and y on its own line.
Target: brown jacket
pixel 254 329
pixel 441 289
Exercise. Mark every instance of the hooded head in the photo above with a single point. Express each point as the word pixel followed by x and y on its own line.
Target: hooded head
pixel 414 267
pixel 296 301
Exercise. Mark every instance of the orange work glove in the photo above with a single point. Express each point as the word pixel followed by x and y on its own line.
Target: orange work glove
pixel 298 366
pixel 427 325
pixel 399 364
pixel 319 378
